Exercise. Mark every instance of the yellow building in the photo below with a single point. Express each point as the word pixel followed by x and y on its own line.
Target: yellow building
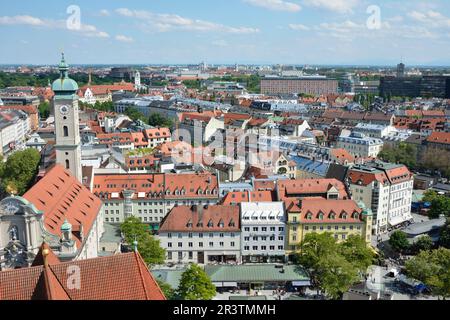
pixel 341 218
pixel 321 205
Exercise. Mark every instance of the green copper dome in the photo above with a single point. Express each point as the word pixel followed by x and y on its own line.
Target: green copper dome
pixel 64 84
pixel 66 226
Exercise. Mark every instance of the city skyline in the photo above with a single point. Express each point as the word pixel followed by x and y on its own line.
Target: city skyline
pixel 312 32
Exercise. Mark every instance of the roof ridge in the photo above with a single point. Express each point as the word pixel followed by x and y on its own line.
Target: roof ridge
pixel 136 256
pixel 54 293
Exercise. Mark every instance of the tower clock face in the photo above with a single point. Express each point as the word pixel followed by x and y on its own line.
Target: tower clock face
pixel 64 110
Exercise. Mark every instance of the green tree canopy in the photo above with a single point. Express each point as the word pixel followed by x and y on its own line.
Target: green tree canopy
pixel 355 250
pixel 157 120
pixel 429 196
pixel 195 284
pixel 439 205
pixel 433 269
pixel 333 267
pixel 135 114
pixel 44 110
pixel 399 241
pixel 148 247
pixel 19 171
pixel 336 275
pixel 169 293
pixel 444 239
pixel 424 243
pixel 404 153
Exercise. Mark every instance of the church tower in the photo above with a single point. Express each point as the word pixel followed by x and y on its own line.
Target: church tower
pixel 67 127
pixel 137 80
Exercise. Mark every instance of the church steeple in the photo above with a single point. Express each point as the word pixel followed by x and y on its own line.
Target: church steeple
pixel 67 127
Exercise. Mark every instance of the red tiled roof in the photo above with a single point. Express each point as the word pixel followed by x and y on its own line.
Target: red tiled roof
pixel 118 277
pixel 236 197
pixel 107 88
pixel 198 218
pixel 230 117
pixel 439 137
pixel 342 155
pixel 313 207
pixel 308 187
pixel 29 109
pixel 366 178
pixel 60 196
pixel 159 185
pixel 157 133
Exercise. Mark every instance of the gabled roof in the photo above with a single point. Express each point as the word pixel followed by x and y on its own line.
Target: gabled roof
pixel 60 196
pixel 197 218
pixel 118 277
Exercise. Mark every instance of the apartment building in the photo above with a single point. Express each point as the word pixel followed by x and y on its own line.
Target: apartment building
pixel 386 189
pixel 201 234
pixel 150 197
pixel 360 146
pixel 316 85
pixel 263 232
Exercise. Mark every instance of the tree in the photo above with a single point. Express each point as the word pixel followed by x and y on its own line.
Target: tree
pixel 444 239
pixel 157 120
pixel 337 275
pixel 356 251
pixel 433 269
pixel 148 247
pixel 44 110
pixel 19 171
pixel 399 241
pixel 439 205
pixel 429 196
pixel 135 115
pixel 169 293
pixel 424 243
pixel 195 284
pixel 404 153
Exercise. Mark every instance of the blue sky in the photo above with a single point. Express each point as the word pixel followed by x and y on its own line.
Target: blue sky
pixel 227 31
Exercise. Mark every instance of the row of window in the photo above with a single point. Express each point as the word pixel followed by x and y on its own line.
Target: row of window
pixel 263 248
pixel 314 228
pixel 263 238
pixel 200 235
pixel 263 229
pixel 200 244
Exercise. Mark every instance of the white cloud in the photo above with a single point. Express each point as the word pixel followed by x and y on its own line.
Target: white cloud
pixel 299 27
pixel 84 29
pixel 340 6
pixel 24 20
pixel 276 5
pixel 172 22
pixel 105 13
pixel 430 18
pixel 123 38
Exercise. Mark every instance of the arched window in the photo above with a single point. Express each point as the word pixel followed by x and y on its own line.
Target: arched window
pixel 67 164
pixel 66 131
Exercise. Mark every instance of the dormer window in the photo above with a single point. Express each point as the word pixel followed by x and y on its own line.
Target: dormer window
pixel 332 215
pixel 210 224
pixel 221 224
pixel 189 224
pixel 200 224
pixel 320 216
pixel 355 215
pixel 231 224
pixel 344 216
pixel 309 216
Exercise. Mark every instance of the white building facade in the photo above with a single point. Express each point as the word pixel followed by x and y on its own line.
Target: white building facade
pixel 263 232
